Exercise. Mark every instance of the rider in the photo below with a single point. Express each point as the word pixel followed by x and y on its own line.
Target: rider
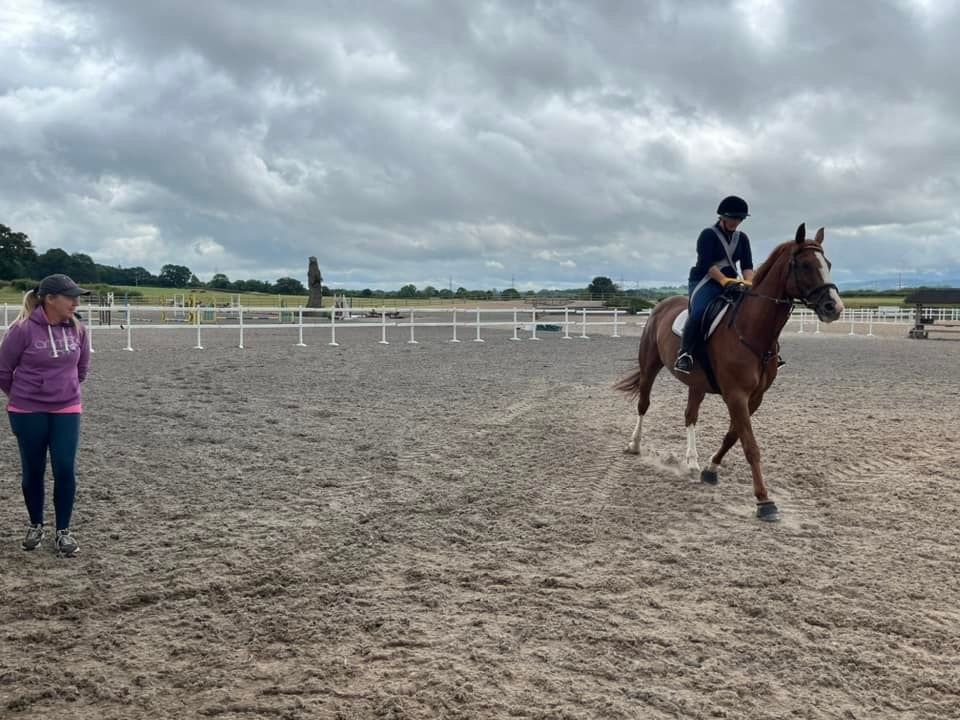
pixel 719 248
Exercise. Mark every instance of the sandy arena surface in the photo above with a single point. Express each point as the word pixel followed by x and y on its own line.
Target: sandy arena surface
pixel 453 531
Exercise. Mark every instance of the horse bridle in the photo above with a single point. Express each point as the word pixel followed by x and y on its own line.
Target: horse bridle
pixel 811 298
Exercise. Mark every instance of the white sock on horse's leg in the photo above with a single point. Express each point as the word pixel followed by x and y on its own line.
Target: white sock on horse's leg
pixel 713 467
pixel 634 445
pixel 693 460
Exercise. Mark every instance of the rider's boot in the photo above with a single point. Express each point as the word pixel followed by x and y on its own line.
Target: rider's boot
pixel 684 362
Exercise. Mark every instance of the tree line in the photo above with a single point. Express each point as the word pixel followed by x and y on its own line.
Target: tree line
pixel 21 265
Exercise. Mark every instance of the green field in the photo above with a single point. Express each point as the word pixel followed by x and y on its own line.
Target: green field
pixel 868 301
pixel 164 296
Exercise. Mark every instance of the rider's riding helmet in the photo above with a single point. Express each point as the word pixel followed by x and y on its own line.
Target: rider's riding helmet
pixel 733 207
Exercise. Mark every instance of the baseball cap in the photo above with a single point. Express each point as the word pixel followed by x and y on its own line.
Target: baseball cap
pixel 60 285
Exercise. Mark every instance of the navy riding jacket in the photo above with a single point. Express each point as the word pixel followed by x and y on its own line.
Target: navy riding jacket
pixel 711 252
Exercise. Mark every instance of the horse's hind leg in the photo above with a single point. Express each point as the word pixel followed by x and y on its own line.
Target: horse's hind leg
pixel 649 368
pixel 694 399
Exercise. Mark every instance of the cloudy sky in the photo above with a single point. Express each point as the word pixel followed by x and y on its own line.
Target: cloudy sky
pixel 479 142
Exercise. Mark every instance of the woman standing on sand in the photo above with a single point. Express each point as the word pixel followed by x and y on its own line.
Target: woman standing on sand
pixel 44 357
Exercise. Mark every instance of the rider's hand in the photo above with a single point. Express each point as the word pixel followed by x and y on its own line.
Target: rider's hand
pixel 728 280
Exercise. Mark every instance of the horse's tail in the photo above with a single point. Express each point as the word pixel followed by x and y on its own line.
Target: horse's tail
pixel 631 383
pixel 648 356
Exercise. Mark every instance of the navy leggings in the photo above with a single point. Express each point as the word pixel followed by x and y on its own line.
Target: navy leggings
pixel 700 302
pixel 36 434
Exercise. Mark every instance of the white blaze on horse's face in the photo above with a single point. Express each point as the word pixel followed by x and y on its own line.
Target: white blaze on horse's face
pixel 825 280
pixel 814 276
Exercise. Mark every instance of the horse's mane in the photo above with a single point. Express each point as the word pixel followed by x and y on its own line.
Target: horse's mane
pixel 768 264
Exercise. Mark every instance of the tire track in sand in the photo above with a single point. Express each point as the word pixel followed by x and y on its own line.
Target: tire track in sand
pixel 867 471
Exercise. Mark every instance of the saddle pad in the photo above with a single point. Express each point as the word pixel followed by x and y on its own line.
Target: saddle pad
pixel 681 320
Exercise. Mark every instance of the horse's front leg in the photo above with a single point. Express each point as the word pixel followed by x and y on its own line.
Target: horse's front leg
pixel 740 417
pixel 709 474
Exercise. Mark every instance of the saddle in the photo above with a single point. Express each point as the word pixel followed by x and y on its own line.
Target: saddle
pixel 710 320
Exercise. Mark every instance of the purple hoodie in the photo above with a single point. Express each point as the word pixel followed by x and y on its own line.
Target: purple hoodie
pixel 42 365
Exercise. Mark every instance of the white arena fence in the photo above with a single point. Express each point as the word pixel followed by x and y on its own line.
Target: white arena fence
pixel 463 324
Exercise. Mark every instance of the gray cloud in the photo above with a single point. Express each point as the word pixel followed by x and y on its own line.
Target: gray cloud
pixel 418 141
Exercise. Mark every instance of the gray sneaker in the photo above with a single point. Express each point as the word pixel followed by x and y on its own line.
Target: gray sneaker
pixel 65 543
pixel 34 537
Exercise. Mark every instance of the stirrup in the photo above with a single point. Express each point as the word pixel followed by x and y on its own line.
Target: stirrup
pixel 780 362
pixel 684 363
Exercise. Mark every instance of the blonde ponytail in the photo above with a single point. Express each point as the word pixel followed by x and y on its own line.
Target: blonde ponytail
pixel 31 301
pixel 78 326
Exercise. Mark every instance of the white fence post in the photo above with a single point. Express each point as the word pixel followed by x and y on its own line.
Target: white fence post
pixel 300 323
pixel 412 340
pixel 802 316
pixel 616 327
pixel 870 326
pixel 454 340
pixel 240 315
pixel 90 337
pixel 478 338
pixel 514 325
pixel 196 318
pixel 333 329
pixel 383 328
pixel 566 324
pixel 533 320
pixel 583 325
pixel 129 346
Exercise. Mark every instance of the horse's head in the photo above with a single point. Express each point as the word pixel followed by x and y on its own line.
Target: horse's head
pixel 809 277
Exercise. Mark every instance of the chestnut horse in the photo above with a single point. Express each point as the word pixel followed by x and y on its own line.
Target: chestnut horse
pixel 742 352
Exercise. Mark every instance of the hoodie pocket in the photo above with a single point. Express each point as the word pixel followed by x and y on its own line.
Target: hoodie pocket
pixel 29 381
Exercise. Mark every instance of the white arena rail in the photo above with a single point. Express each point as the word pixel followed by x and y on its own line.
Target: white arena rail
pixel 198 320
pixel 463 323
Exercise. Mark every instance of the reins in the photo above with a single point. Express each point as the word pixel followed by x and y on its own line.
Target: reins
pixel 808 299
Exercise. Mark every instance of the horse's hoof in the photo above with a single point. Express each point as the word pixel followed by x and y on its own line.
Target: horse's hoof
pixel 631 450
pixel 709 477
pixel 768 512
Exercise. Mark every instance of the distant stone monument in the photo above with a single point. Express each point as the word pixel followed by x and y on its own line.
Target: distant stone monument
pixel 315 284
